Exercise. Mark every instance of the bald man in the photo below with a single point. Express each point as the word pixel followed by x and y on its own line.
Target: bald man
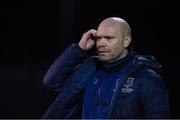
pixel 116 82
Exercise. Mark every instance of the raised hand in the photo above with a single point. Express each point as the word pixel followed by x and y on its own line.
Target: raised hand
pixel 88 39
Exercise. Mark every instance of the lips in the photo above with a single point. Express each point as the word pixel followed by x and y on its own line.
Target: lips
pixel 102 52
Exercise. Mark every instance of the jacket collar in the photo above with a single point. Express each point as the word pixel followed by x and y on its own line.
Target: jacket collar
pixel 117 65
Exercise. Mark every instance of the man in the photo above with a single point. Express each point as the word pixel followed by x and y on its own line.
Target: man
pixel 115 83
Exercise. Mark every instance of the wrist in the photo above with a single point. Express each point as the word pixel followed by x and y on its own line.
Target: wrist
pixel 81 46
pixel 76 45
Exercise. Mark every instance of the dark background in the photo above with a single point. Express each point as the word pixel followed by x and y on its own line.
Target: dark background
pixel 34 32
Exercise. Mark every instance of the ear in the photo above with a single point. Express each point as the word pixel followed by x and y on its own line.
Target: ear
pixel 127 41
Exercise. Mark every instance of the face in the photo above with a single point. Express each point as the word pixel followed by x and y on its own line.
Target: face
pixel 110 42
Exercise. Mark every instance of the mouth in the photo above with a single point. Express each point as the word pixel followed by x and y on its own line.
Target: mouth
pixel 102 52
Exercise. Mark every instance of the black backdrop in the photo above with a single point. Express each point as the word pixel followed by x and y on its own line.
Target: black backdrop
pixel 34 32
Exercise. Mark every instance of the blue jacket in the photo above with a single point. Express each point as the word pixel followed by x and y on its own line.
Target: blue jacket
pixel 140 92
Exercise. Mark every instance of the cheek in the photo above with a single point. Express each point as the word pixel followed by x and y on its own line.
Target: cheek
pixel 116 49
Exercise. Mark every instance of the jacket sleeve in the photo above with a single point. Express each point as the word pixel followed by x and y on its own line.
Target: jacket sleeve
pixel 155 100
pixel 63 66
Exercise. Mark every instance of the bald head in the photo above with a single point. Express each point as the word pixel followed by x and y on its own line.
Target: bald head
pixel 118 24
pixel 113 36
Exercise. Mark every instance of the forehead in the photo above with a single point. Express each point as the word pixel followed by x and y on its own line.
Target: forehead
pixel 105 31
pixel 108 29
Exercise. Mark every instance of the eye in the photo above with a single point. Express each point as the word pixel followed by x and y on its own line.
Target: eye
pixel 108 37
pixel 98 38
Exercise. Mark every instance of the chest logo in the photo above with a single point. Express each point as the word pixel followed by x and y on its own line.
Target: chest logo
pixel 129 82
pixel 127 86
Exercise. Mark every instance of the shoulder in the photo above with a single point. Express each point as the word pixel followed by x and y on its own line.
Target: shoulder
pixel 145 72
pixel 87 63
pixel 149 74
pixel 150 81
pixel 149 67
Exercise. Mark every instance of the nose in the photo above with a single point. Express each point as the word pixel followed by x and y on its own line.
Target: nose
pixel 101 42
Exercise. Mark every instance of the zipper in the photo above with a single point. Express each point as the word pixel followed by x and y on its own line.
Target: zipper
pixel 99 99
pixel 98 94
pixel 113 97
pixel 115 91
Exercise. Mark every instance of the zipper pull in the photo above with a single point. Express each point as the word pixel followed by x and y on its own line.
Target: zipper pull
pixel 116 85
pixel 95 82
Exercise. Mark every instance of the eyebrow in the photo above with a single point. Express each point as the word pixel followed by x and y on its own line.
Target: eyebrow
pixel 104 36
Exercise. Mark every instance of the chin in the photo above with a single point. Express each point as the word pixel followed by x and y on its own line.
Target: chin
pixel 104 59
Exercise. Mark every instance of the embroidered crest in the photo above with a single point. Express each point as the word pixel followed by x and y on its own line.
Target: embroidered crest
pixel 129 83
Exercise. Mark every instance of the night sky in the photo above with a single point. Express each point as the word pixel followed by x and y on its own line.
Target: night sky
pixel 34 32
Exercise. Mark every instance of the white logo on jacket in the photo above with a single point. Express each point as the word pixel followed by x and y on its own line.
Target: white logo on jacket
pixel 127 86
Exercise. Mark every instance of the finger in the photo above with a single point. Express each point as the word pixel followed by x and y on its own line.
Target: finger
pixel 90 44
pixel 93 32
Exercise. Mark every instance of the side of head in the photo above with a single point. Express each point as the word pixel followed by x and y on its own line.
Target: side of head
pixel 113 37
